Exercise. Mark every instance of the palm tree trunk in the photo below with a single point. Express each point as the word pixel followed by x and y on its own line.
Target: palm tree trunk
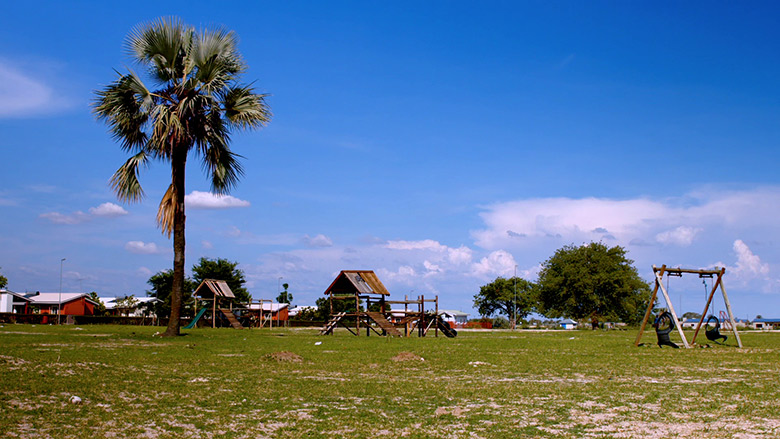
pixel 178 166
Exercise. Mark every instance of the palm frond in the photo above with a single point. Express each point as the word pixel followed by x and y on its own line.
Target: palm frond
pixel 121 104
pixel 222 166
pixel 215 53
pixel 244 108
pixel 125 182
pixel 166 212
pixel 160 45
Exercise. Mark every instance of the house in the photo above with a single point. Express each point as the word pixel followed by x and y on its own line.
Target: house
pixel 73 304
pixel 14 302
pixel 766 324
pixel 129 305
pixel 689 323
pixel 271 311
pixel 294 311
pixel 453 317
pixel 568 324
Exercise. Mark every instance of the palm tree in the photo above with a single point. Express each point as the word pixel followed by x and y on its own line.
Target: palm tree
pixel 194 105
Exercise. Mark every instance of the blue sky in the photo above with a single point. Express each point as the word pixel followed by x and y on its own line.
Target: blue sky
pixel 437 143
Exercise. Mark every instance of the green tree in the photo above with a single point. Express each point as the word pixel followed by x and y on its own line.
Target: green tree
pixel 193 104
pixel 499 297
pixel 222 269
pixel 100 308
pixel 3 281
pixel 691 315
pixel 162 286
pixel 590 281
pixel 285 296
pixel 126 304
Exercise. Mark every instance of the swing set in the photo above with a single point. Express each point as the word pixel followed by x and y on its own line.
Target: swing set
pixel 667 321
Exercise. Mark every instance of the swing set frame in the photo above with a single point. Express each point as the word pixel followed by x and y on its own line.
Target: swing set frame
pixel 659 274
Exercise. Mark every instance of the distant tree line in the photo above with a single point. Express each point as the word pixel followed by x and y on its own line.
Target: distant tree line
pixel 588 282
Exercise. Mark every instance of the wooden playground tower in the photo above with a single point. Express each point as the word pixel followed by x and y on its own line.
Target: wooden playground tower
pixel 666 271
pixel 217 292
pixel 363 285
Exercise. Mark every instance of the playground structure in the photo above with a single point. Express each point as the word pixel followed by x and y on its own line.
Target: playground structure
pixel 217 292
pixel 360 286
pixel 667 322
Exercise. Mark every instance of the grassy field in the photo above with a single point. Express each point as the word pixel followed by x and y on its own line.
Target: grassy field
pixel 283 384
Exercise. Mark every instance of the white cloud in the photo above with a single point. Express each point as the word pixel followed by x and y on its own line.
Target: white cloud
pixel 77 217
pixel 143 248
pixel 105 210
pixel 317 241
pixel 427 244
pixel 207 200
pixel 682 236
pixel 207 245
pixel 22 94
pixel 497 263
pixel 749 265
pixel 108 210
pixel 143 271
pixel 677 221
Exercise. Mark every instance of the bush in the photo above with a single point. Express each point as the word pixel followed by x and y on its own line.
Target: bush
pixel 501 323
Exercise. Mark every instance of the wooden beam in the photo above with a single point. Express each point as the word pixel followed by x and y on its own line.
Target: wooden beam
pixel 671 310
pixel 728 308
pixel 649 306
pixel 706 307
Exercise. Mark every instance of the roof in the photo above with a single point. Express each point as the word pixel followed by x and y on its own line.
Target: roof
pixel 273 307
pixel 350 282
pixel 213 287
pixel 453 313
pixel 766 321
pixel 110 302
pixel 54 298
pixel 16 295
pixel 568 322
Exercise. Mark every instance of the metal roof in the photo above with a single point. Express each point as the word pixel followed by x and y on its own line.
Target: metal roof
pixel 357 282
pixel 218 288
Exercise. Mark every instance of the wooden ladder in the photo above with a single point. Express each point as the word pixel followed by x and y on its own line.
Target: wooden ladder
pixel 383 323
pixel 331 325
pixel 231 318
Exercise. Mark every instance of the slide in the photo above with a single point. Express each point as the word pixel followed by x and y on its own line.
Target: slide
pixel 445 328
pixel 197 317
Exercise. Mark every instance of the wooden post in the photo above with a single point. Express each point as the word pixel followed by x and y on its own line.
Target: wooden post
pixel 706 307
pixel 436 316
pixel 728 308
pixel 672 311
pixel 649 305
pixel 406 314
pixel 214 312
pixel 357 314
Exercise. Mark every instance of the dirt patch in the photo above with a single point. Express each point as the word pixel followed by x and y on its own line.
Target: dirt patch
pixel 407 356
pixel 286 357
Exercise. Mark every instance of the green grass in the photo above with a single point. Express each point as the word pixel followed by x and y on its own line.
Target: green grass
pixel 502 384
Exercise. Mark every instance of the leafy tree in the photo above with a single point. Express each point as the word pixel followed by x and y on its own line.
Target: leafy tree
pixel 323 307
pixel 285 296
pixel 222 269
pixel 162 285
pixel 192 103
pixel 691 315
pixel 498 297
pixel 100 308
pixel 3 281
pixel 126 304
pixel 592 281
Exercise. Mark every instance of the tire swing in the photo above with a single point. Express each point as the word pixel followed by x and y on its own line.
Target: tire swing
pixel 712 330
pixel 664 324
